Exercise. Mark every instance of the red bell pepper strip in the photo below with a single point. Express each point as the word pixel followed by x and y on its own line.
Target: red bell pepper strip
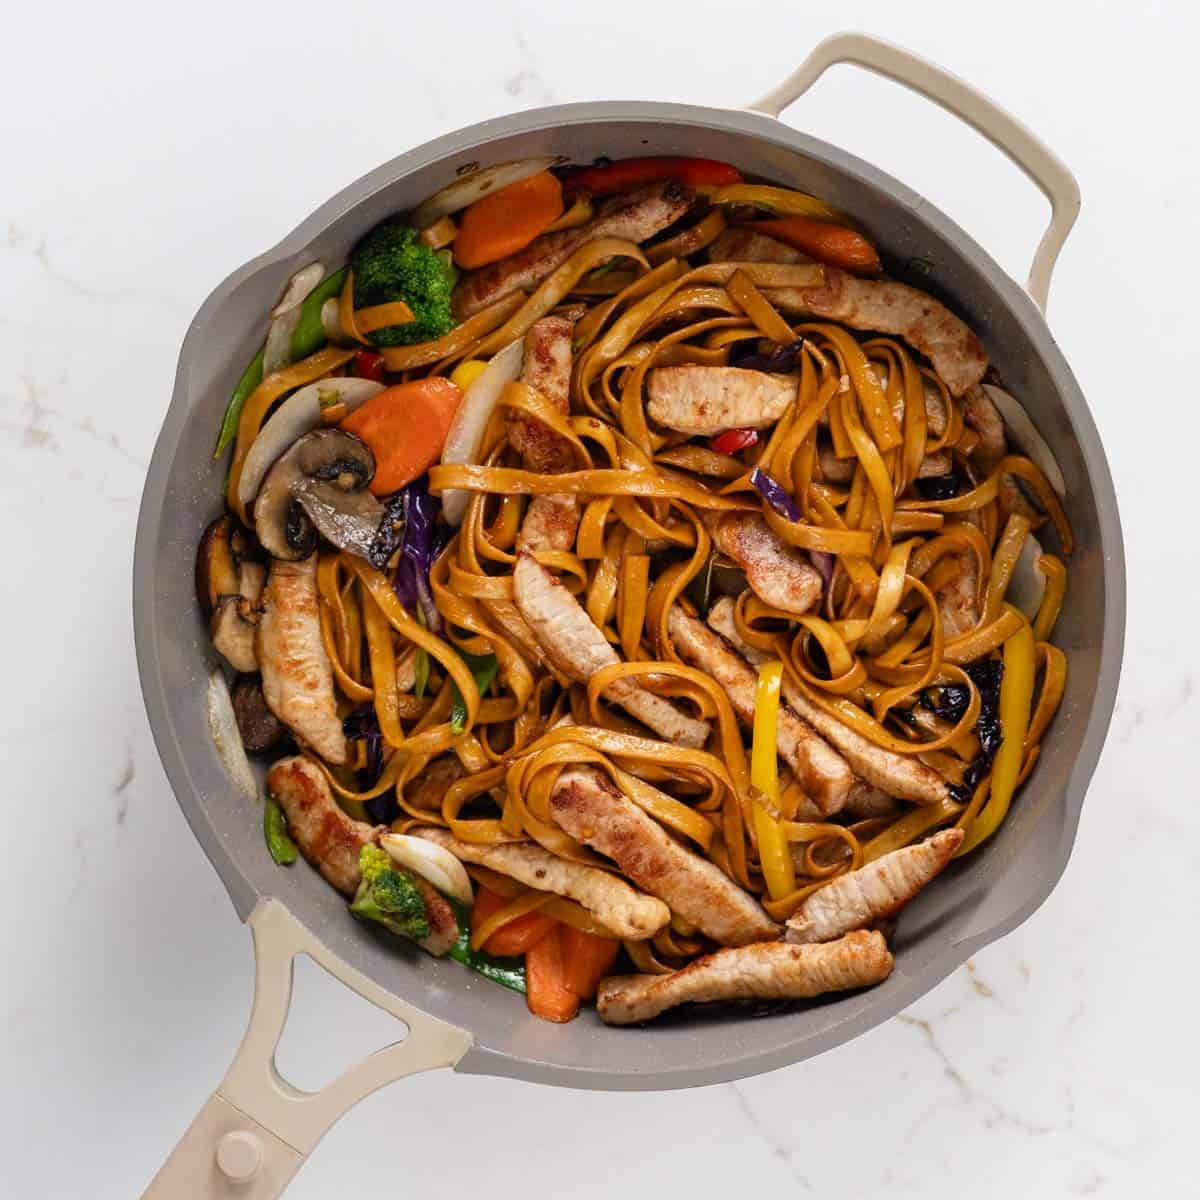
pixel 733 440
pixel 368 365
pixel 629 173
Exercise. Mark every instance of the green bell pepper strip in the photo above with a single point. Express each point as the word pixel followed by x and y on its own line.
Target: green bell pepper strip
pixel 279 843
pixel 308 338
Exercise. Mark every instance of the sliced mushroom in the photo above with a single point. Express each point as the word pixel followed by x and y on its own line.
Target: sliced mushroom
pixel 260 728
pixel 320 484
pixel 229 584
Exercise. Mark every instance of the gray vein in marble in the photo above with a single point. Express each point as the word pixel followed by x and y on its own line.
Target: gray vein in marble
pixel 785 1154
pixel 121 791
pixel 528 79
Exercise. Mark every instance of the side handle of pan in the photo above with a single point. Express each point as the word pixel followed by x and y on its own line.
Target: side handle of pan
pixel 256 1130
pixel 956 96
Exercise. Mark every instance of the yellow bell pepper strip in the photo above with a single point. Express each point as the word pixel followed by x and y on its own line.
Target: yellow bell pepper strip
pixel 773 852
pixel 467 372
pixel 1052 598
pixel 783 202
pixel 1016 702
pixel 259 402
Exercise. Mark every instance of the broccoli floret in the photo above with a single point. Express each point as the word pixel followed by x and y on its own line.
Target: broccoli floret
pixel 388 896
pixel 390 264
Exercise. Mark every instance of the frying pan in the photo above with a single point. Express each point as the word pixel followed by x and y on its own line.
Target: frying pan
pixel 255 1132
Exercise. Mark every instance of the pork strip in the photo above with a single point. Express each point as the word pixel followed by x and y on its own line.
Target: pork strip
pixel 587 806
pixel 764 971
pixel 331 840
pixel 616 905
pixel 820 770
pixel 878 890
pixel 778 574
pixel 297 676
pixel 427 788
pixel 634 216
pixel 902 775
pixel 574 645
pixel 957 600
pixel 747 245
pixel 702 401
pixel 884 306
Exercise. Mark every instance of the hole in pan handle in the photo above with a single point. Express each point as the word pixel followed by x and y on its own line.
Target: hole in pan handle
pixel 255 1131
pixel 967 103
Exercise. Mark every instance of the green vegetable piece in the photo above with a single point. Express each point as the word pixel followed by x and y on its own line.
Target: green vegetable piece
pixel 279 843
pixel 309 336
pixel 389 896
pixel 391 264
pixel 699 591
pixel 251 378
pixel 508 972
pixel 420 673
pixel 484 668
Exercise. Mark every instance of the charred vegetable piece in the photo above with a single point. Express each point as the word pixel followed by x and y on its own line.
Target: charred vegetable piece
pixel 392 264
pixel 780 360
pixel 279 843
pixel 260 728
pixel 388 896
pixel 630 173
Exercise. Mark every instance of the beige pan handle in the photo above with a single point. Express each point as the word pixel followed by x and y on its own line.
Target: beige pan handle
pixel 256 1130
pixel 956 96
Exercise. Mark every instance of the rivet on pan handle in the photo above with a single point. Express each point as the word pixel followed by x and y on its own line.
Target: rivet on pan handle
pixel 956 96
pixel 256 1130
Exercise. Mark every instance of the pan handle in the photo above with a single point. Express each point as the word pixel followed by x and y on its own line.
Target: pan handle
pixel 956 96
pixel 256 1130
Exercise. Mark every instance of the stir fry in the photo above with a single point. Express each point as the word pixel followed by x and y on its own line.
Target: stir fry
pixel 637 590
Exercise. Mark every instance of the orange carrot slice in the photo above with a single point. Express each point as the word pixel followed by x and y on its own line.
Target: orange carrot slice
pixel 587 958
pixel 833 244
pixel 406 427
pixel 545 988
pixel 508 220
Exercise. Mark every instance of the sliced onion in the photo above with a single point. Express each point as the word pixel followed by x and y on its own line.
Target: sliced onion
pixel 433 863
pixel 295 417
pixel 299 287
pixel 466 432
pixel 1028 582
pixel 227 738
pixel 285 316
pixel 1023 434
pixel 331 320
pixel 468 188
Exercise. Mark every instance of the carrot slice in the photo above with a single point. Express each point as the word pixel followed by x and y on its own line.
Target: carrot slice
pixel 406 427
pixel 587 958
pixel 833 244
pixel 545 990
pixel 498 225
pixel 514 937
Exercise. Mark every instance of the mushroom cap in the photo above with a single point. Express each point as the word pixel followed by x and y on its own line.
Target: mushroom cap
pixel 318 485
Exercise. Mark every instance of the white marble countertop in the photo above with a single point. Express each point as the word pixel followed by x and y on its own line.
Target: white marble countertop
pixel 145 152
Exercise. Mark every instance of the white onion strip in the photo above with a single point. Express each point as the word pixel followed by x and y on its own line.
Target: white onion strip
pixel 227 738
pixel 433 863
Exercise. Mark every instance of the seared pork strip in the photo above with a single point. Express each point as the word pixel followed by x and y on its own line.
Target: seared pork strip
pixel 884 306
pixel 982 415
pixel 821 771
pixel 331 840
pixel 957 601
pixel 297 676
pixel 586 804
pixel 747 245
pixel 634 216
pixel 902 775
pixel 702 401
pixel 778 574
pixel 574 645
pixel 427 788
pixel 878 890
pixel 616 905
pixel 764 971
